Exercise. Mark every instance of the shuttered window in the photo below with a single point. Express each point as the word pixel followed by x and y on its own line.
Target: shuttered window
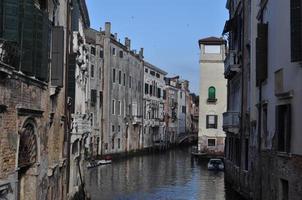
pixel 93 97
pixel 71 78
pixel 57 60
pixel 9 17
pixel 283 127
pixel 211 121
pixel 296 30
pixel 261 53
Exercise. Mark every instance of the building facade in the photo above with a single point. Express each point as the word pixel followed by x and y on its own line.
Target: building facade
pixel 212 99
pixel 123 95
pixel 263 155
pixel 153 106
pixel 33 104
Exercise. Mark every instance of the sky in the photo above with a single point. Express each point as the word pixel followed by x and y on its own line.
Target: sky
pixel 168 30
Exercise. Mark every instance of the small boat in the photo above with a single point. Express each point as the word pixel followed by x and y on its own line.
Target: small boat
pixel 96 163
pixel 215 164
pixel 197 153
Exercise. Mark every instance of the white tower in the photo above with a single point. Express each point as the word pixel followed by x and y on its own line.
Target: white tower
pixel 213 95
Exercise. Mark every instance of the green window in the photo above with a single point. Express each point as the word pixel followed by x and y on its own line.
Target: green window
pixel 212 93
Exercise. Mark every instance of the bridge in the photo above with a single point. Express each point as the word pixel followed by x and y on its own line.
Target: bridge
pixel 183 137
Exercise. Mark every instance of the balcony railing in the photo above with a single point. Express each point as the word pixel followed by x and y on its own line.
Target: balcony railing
pixel 231 121
pixel 231 64
pixel 137 120
pixel 9 53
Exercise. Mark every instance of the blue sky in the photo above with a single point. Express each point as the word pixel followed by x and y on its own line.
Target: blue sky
pixel 168 30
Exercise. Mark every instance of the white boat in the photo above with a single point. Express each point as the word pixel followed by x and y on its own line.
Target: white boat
pixel 215 164
pixel 96 163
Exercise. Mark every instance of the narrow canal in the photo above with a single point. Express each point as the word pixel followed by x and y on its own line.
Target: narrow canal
pixel 172 175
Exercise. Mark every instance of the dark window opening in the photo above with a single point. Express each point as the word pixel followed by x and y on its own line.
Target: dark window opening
pixel 101 53
pixel 296 30
pixel 158 92
pixel 211 121
pixel 211 142
pixel 121 54
pixel 146 88
pixel 93 97
pixel 283 127
pixel 152 73
pixel 113 75
pixel 92 71
pixel 157 75
pixel 120 77
pixel 92 50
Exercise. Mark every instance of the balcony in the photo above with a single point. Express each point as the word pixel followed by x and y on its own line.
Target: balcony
pixel 231 64
pixel 137 120
pixel 9 53
pixel 231 122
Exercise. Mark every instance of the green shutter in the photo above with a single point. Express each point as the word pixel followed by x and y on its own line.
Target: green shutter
pixel 41 42
pixel 212 93
pixel 10 19
pixel 27 33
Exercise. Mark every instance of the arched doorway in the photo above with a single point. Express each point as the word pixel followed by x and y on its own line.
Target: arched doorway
pixel 27 158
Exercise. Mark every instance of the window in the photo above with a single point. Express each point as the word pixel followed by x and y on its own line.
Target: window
pixel 211 94
pixel 146 70
pixel 130 80
pixel 106 146
pixel 152 73
pixel 112 129
pixel 264 126
pixel 101 53
pixel 146 88
pixel 284 189
pixel 101 99
pixel 151 90
pixel 296 31
pixel 113 75
pixel 158 92
pixel 113 107
pixel 113 51
pixel 119 128
pixel 121 54
pixel 283 127
pixel 91 119
pixel 119 143
pixel 93 97
pixel 261 53
pixel 279 81
pixel 112 143
pixel 181 95
pixel 119 107
pixel 212 121
pixel 211 142
pixel 164 94
pixel 92 71
pixel 120 77
pixel 183 109
pixel 124 80
pixel 92 50
pixel 157 75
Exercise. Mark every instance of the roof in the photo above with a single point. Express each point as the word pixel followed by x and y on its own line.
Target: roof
pixel 155 68
pixel 212 41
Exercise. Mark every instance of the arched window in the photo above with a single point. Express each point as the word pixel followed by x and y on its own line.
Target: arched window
pixel 212 93
pixel 27 146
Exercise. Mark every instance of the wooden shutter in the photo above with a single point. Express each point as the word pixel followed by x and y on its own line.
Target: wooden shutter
pixel 27 34
pixel 75 16
pixel 101 98
pixel 41 41
pixel 216 121
pixel 207 121
pixel 261 53
pixel 10 12
pixel 296 30
pixel 57 59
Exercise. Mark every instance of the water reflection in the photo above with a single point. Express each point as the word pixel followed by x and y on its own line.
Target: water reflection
pixel 172 175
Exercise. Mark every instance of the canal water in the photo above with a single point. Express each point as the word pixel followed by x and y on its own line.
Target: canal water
pixel 172 175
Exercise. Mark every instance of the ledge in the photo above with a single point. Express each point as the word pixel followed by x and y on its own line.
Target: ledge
pixel 27 111
pixel 285 95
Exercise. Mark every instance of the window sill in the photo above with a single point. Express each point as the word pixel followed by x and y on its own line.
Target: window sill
pixel 211 100
pixel 284 154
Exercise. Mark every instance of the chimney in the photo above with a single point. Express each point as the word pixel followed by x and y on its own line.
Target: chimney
pixel 108 29
pixel 115 36
pixel 100 29
pixel 128 43
pixel 141 53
